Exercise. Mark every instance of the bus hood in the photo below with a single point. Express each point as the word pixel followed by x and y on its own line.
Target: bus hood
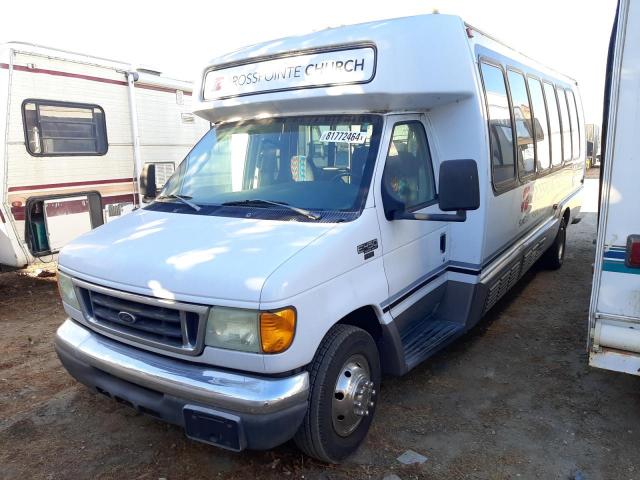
pixel 191 258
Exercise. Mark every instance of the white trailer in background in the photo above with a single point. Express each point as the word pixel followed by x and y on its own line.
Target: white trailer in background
pixel 592 132
pixel 614 314
pixel 75 131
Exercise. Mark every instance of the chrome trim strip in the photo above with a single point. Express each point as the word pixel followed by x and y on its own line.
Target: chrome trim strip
pixel 187 348
pixel 198 383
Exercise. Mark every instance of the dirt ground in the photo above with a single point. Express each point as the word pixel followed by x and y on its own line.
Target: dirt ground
pixel 512 399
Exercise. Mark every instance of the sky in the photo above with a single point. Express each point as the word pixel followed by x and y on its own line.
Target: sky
pixel 178 38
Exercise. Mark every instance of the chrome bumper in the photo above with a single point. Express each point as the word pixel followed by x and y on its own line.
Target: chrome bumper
pixel 193 382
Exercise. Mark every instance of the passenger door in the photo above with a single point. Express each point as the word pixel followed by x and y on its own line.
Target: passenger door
pixel 413 251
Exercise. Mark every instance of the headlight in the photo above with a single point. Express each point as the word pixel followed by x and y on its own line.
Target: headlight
pixel 233 328
pixel 67 292
pixel 250 330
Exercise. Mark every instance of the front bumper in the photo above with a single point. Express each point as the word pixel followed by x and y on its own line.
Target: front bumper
pixel 230 410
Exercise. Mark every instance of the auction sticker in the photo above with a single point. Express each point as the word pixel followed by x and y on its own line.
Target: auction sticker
pixel 343 136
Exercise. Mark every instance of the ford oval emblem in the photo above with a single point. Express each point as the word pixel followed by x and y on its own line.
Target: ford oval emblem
pixel 127 317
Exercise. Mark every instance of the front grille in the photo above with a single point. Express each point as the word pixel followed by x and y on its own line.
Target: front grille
pixel 160 323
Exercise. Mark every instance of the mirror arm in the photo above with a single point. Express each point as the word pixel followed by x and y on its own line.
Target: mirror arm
pixel 459 216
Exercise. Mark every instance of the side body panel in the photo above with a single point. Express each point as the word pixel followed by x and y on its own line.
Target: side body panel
pixel 614 316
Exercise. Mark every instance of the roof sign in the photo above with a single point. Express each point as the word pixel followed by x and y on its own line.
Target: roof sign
pixel 344 66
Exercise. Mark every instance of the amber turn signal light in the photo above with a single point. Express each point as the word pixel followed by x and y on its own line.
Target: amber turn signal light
pixel 277 330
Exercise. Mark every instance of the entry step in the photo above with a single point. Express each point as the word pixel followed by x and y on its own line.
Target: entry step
pixel 425 337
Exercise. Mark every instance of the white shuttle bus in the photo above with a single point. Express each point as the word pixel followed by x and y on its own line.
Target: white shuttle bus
pixel 367 194
pixel 75 131
pixel 614 314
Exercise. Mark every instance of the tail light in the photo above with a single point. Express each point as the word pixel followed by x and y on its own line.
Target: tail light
pixel 632 258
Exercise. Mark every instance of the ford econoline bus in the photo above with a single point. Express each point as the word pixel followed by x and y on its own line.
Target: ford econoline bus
pixel 367 194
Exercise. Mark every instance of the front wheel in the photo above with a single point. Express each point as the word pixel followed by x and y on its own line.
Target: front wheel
pixel 554 257
pixel 344 379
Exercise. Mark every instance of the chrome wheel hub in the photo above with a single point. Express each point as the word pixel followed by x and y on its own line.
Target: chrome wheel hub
pixel 352 396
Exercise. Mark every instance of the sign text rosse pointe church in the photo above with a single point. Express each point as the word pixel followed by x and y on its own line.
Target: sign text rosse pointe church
pixel 344 66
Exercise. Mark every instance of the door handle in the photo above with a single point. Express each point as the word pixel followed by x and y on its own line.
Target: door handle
pixel 443 242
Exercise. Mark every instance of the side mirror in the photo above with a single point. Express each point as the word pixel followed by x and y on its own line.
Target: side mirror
pixel 458 186
pixel 148 188
pixel 458 190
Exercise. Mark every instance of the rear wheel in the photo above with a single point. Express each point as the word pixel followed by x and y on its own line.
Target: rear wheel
pixel 345 378
pixel 554 257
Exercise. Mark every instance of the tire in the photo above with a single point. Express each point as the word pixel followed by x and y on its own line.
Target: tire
pixel 553 258
pixel 338 370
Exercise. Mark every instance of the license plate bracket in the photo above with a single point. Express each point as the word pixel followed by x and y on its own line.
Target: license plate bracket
pixel 216 428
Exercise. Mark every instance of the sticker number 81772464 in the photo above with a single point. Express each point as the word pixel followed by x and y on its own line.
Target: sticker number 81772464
pixel 343 136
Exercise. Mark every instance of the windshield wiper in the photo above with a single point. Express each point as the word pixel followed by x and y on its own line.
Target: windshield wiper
pixel 259 201
pixel 184 199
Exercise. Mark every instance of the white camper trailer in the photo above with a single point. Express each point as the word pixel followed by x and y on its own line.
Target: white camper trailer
pixel 366 195
pixel 75 131
pixel 614 313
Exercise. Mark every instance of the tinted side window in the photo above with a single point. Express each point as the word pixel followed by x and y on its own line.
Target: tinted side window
pixel 566 124
pixel 554 124
pixel 524 127
pixel 500 131
pixel 540 124
pixel 60 128
pixel 408 173
pixel 575 124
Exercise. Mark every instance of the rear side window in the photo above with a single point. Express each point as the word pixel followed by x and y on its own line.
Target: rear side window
pixel 566 124
pixel 500 130
pixel 61 128
pixel 408 173
pixel 554 124
pixel 540 124
pixel 575 124
pixel 524 128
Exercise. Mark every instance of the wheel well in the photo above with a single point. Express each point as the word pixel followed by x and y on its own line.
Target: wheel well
pixel 366 319
pixel 567 216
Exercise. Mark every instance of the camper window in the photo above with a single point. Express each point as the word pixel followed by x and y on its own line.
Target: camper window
pixel 541 125
pixel 525 149
pixel 61 128
pixel 408 173
pixel 554 124
pixel 500 127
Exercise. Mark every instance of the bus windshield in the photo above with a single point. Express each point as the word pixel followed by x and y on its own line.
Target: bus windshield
pixel 313 163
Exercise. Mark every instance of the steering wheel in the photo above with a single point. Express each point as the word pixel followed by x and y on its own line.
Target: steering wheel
pixel 340 175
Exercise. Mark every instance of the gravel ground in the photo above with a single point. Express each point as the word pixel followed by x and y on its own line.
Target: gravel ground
pixel 512 399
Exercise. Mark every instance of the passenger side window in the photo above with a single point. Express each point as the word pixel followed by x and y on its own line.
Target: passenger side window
pixel 500 130
pixel 408 173
pixel 554 124
pixel 62 128
pixel 566 124
pixel 575 131
pixel 540 124
pixel 524 127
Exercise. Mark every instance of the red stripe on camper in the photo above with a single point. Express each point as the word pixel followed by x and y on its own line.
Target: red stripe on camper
pixel 2 217
pixel 26 188
pixel 91 78
pixel 73 206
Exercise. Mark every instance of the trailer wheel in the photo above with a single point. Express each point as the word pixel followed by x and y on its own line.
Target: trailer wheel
pixel 344 380
pixel 554 257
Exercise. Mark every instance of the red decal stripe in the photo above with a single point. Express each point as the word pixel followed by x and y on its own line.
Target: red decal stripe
pixel 91 78
pixel 27 188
